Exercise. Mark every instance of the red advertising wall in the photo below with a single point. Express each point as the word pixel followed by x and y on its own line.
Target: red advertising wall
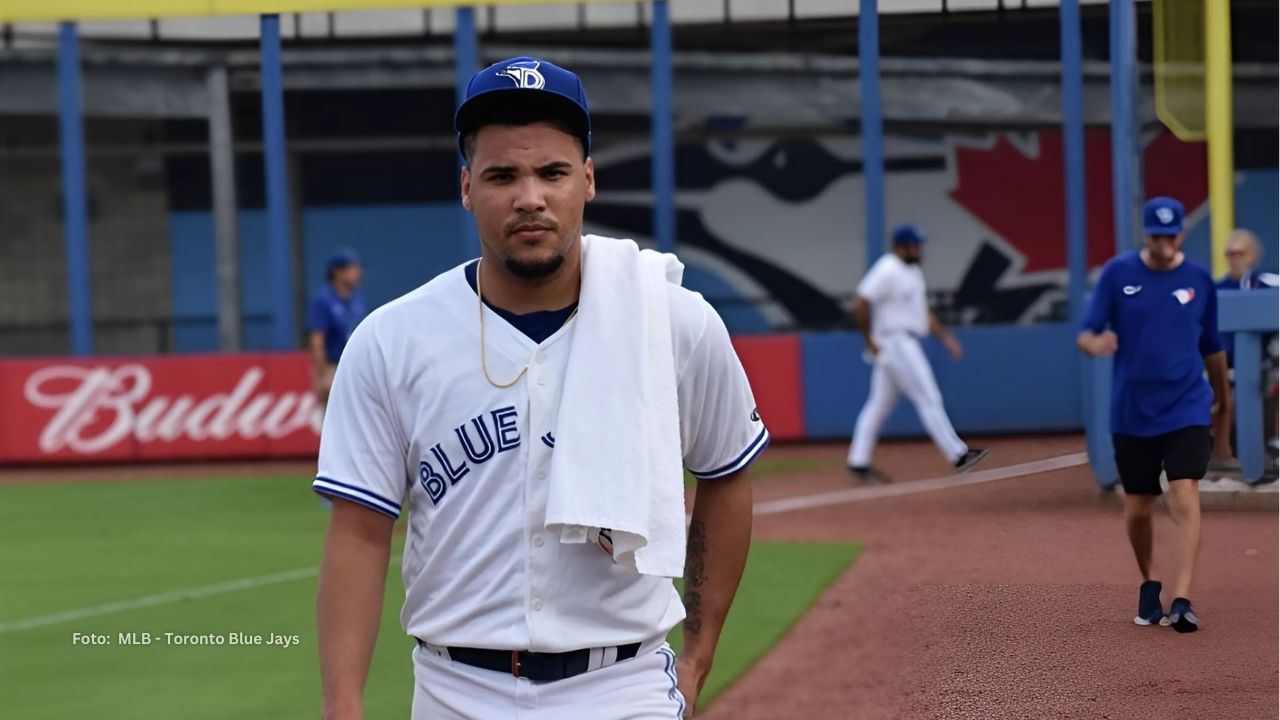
pixel 773 366
pixel 193 407
pixel 157 408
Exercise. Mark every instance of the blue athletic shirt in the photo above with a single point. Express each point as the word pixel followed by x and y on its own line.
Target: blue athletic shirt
pixel 1166 323
pixel 336 318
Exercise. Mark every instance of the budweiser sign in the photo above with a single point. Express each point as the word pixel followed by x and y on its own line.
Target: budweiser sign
pixel 166 408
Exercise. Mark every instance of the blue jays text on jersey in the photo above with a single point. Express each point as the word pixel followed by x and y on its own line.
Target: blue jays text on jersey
pixel 474 442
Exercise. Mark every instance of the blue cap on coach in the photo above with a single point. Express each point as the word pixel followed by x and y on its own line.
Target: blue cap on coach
pixel 524 83
pixel 342 257
pixel 907 235
pixel 1162 216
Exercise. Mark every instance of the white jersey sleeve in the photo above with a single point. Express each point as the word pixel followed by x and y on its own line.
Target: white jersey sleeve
pixel 878 281
pixel 720 427
pixel 362 445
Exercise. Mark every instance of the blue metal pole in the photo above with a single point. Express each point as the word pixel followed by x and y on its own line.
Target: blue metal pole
pixel 1248 405
pixel 663 141
pixel 1250 315
pixel 1123 128
pixel 872 128
pixel 465 64
pixel 1097 378
pixel 1095 374
pixel 1095 381
pixel 75 206
pixel 279 260
pixel 1073 156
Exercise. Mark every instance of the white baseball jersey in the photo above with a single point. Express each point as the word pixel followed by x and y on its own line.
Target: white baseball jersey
pixel 895 290
pixel 899 318
pixel 411 414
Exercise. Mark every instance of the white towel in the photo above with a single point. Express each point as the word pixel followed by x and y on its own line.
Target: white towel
pixel 617 464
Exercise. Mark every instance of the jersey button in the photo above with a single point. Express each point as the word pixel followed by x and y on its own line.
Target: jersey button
pixel 542 474
pixel 537 604
pixel 537 541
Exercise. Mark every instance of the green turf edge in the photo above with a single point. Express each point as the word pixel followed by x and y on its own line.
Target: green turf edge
pixel 780 583
pixel 782 580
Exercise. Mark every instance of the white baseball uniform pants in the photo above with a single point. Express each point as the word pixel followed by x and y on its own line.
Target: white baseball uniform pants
pixel 902 368
pixel 642 688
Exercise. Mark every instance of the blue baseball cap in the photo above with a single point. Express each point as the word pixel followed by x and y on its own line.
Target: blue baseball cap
pixel 907 235
pixel 523 85
pixel 342 257
pixel 1162 216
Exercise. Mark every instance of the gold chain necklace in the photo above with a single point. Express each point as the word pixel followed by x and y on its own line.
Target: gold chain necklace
pixel 484 363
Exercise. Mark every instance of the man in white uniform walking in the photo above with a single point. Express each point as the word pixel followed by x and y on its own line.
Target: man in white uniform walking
pixel 451 402
pixel 893 315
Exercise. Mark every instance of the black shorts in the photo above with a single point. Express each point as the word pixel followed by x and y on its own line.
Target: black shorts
pixel 1183 455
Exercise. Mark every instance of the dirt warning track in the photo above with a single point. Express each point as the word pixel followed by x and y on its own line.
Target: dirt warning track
pixel 1010 599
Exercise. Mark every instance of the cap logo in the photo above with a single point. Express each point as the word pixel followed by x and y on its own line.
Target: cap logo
pixel 525 75
pixel 1164 215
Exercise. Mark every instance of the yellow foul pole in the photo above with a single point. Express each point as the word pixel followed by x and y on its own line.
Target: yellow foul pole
pixel 1217 109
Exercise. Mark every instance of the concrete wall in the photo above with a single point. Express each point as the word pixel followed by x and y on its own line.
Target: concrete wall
pixel 129 256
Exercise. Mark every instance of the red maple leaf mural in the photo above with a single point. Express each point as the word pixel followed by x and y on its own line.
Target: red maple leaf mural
pixel 1019 195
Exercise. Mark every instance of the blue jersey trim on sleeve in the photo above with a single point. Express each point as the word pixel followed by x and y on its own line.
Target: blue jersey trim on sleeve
pixel 746 458
pixel 372 500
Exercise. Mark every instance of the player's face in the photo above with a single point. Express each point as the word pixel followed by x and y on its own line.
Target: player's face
pixel 910 254
pixel 1164 248
pixel 349 276
pixel 528 186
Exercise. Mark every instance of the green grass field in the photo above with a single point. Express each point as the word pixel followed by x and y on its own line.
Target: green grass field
pixel 252 545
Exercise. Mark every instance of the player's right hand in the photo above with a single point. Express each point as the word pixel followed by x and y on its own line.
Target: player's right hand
pixel 691 677
pixel 1105 345
pixel 872 348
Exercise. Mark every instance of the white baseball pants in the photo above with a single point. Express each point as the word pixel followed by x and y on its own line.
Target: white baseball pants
pixel 642 688
pixel 901 368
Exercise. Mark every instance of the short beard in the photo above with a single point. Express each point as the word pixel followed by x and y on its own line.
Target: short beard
pixel 535 270
pixel 912 260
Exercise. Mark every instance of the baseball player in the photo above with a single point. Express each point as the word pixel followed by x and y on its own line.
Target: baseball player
pixel 893 315
pixel 444 404
pixel 335 312
pixel 1156 311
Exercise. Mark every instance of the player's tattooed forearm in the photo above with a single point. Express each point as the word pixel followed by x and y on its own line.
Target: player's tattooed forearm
pixel 695 576
pixel 695 564
pixel 693 613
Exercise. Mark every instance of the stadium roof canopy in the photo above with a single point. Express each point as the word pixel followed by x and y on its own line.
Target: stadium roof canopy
pixel 529 13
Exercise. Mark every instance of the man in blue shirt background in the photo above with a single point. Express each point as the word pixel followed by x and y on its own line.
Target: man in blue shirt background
pixel 334 313
pixel 1156 311
pixel 1243 253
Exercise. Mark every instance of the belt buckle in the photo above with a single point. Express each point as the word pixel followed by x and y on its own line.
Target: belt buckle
pixel 515 663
